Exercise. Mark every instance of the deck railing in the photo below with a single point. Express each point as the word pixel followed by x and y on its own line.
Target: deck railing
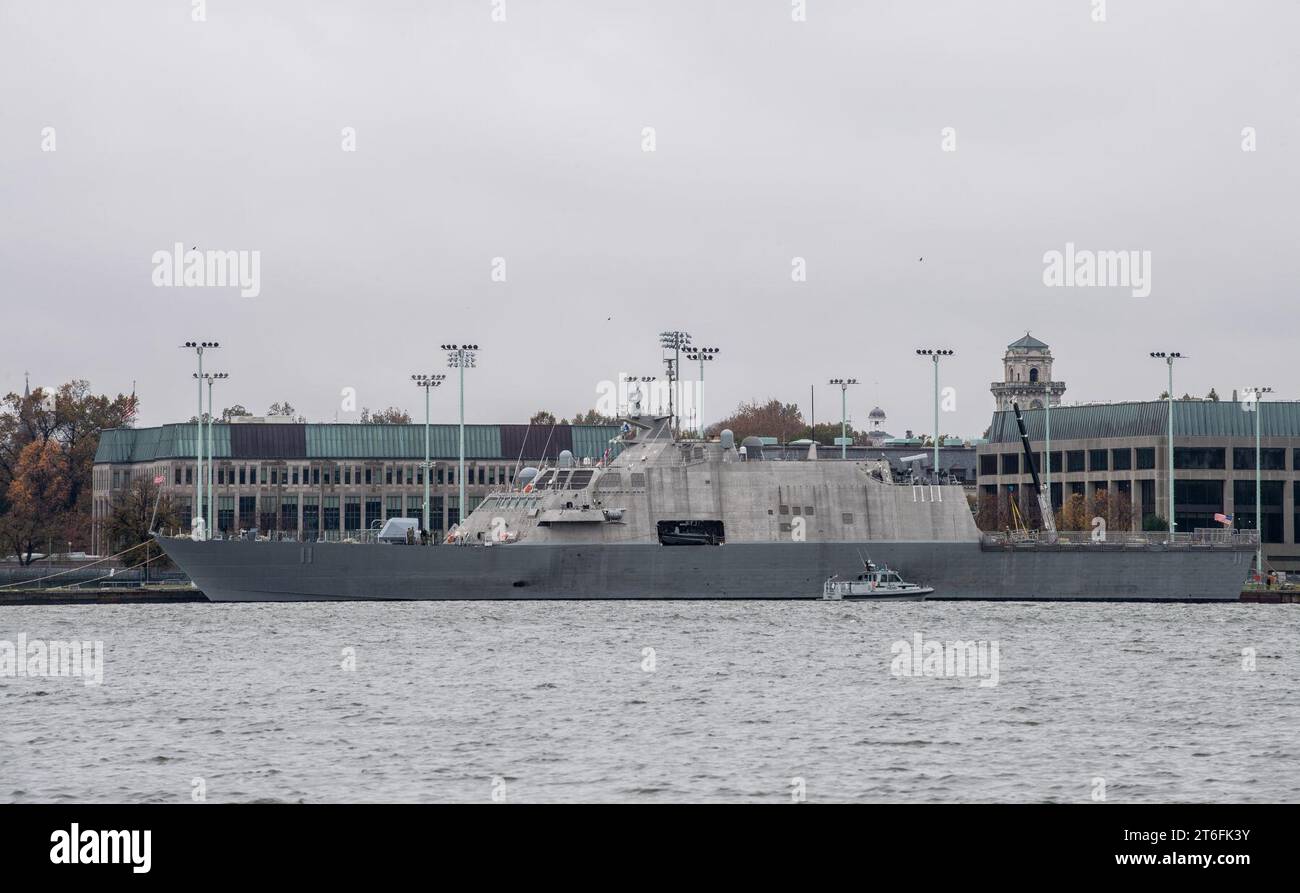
pixel 1202 536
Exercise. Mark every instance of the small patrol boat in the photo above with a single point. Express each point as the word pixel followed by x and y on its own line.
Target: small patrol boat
pixel 875 583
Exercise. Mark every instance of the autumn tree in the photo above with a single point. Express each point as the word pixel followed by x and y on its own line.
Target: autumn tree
pixel 771 419
pixel 390 416
pixel 38 499
pixel 73 418
pixel 592 417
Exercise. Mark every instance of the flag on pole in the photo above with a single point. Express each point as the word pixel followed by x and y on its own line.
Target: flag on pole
pixel 1222 518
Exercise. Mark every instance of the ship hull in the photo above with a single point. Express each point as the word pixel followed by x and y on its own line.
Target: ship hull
pixel 240 570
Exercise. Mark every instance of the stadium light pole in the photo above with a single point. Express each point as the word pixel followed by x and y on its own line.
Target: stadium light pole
pixel 1256 398
pixel 199 347
pixel 462 357
pixel 674 341
pixel 844 413
pixel 635 381
pixel 428 382
pixel 934 354
pixel 1169 357
pixel 703 354
pixel 211 378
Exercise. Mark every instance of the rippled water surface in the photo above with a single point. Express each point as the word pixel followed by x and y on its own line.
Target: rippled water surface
pixel 554 701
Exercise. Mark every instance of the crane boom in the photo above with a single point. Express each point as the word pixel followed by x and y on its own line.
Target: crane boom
pixel 1044 499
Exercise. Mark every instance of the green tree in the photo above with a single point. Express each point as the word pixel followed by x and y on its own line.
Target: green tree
pixel 542 417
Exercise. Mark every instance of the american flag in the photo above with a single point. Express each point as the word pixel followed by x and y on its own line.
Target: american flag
pixel 1222 518
pixel 158 479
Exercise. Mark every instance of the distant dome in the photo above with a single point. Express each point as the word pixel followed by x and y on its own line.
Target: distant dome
pixel 876 413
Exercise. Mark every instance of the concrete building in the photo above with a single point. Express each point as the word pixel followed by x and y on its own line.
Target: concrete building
pixel 329 478
pixel 1027 376
pixel 1123 448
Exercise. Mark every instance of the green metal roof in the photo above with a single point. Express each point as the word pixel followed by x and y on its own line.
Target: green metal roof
pixel 1029 342
pixel 148 444
pixel 1192 418
pixel 330 441
pixel 592 440
pixel 400 441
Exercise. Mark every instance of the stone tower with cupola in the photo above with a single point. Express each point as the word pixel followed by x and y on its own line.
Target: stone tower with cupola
pixel 1027 376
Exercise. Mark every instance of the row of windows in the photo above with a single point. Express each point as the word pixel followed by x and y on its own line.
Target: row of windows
pixel 1074 461
pixel 1195 503
pixel 347 475
pixel 1186 458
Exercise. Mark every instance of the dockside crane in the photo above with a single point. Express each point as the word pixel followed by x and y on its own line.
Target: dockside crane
pixel 1044 498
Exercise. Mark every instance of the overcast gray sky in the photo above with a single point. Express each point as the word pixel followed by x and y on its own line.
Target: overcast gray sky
pixel 523 139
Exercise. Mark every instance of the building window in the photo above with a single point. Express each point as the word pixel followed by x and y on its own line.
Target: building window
pixel 1097 460
pixel 226 513
pixel 1074 460
pixel 393 507
pixel 331 512
pixel 435 514
pixel 1198 457
pixel 1121 460
pixel 481 475
pixel 352 513
pixel 1243 515
pixel 1146 458
pixel 347 475
pixel 289 513
pixel 247 512
pixel 310 516
pixel 369 470
pixel 1243 459
pixel 262 474
pixel 374 511
pixel 388 474
pixel 295 475
pixel 989 464
pixel 1011 463
pixel 315 476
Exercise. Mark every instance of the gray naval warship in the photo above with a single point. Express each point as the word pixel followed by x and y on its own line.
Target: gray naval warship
pixel 667 518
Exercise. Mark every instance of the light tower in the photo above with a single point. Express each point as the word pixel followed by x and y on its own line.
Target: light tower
pixel 703 354
pixel 211 378
pixel 844 413
pixel 461 357
pixel 428 382
pixel 199 347
pixel 1255 398
pixel 1169 357
pixel 675 341
pixel 934 354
